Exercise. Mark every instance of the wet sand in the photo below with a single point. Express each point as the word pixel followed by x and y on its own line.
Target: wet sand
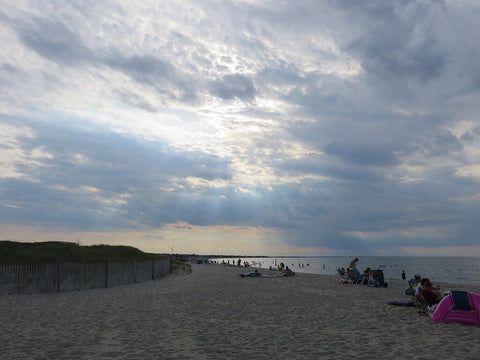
pixel 213 313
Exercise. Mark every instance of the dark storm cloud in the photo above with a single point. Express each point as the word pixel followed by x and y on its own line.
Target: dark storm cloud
pixel 387 56
pixel 395 44
pixel 281 74
pixel 364 154
pixel 330 168
pixel 443 143
pixel 58 43
pixel 153 71
pixel 143 68
pixel 233 86
pixel 54 41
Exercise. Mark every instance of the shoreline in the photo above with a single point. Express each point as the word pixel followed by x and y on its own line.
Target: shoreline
pixel 442 284
pixel 465 269
pixel 215 313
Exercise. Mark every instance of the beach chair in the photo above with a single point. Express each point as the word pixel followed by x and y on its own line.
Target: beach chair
pixel 355 276
pixel 411 290
pixel 420 301
pixel 417 300
pixel 343 275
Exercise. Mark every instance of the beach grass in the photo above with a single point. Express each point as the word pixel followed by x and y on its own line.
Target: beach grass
pixel 51 252
pixel 179 267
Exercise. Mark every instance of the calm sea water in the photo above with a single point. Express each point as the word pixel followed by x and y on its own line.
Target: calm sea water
pixel 456 270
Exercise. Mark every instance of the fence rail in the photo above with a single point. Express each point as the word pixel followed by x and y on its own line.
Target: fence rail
pixel 36 278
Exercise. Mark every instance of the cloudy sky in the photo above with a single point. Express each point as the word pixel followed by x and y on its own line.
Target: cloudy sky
pixel 242 127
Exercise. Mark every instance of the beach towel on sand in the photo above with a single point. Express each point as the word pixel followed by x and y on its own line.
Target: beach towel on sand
pixel 401 303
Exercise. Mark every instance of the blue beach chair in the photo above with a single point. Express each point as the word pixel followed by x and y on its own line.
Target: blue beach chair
pixel 355 276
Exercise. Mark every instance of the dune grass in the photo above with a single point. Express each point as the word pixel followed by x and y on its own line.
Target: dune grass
pixel 12 252
pixel 180 267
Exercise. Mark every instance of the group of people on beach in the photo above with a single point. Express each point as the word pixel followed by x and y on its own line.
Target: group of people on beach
pixel 420 288
pixel 236 263
pixel 366 277
pixel 424 292
pixel 284 271
pixel 450 306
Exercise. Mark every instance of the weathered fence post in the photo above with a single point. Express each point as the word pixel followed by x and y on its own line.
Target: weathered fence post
pixel 58 275
pixel 153 269
pixel 106 274
pixel 134 270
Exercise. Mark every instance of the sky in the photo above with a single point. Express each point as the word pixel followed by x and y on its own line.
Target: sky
pixel 242 127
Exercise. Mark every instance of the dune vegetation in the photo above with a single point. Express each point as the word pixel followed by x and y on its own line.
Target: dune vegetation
pixel 12 252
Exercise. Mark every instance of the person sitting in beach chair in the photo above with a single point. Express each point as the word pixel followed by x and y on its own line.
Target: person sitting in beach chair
pixel 354 276
pixel 366 276
pixel 413 288
pixel 412 284
pixel 427 294
pixel 288 272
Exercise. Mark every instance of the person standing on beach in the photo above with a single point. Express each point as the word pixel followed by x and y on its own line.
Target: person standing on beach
pixel 353 264
pixel 403 275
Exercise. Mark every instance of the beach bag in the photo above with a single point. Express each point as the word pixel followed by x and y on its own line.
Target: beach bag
pixel 378 275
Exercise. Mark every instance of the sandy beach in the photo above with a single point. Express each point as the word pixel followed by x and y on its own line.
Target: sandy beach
pixel 213 313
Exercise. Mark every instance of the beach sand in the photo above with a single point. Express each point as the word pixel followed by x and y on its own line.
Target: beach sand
pixel 213 313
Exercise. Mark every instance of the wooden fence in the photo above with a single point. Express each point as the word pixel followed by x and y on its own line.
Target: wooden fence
pixel 36 278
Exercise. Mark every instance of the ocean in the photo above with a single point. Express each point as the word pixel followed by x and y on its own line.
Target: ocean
pixel 455 270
